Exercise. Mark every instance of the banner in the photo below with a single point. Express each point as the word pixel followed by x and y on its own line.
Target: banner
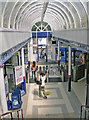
pixel 18 75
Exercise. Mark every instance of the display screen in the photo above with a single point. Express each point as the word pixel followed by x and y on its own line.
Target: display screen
pixel 42 41
pixel 53 42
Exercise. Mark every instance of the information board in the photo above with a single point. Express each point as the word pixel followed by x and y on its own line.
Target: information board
pixel 18 75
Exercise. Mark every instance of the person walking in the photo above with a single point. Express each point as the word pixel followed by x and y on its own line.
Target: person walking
pixel 33 68
pixel 42 80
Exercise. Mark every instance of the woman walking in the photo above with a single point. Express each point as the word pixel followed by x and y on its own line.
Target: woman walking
pixel 33 68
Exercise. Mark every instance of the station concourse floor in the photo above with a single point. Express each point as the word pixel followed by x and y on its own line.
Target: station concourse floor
pixel 60 104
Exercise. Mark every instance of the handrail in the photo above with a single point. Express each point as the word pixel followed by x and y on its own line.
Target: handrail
pixel 11 114
pixel 7 114
pixel 18 113
pixel 86 106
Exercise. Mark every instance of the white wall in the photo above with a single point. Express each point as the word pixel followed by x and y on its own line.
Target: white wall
pixel 77 35
pixel 9 39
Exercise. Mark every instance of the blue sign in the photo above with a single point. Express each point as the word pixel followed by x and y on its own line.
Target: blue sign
pixel 41 35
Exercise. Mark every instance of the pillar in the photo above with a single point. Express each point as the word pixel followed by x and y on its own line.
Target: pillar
pixel 69 70
pixel 37 47
pixel 53 52
pixel 19 57
pixel 31 50
pixel 87 79
pixel 74 57
pixel 87 88
pixel 23 67
pixel 58 52
pixel 28 59
pixel 2 91
pixel 88 23
pixel 47 48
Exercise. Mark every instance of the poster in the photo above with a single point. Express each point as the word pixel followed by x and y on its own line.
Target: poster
pixel 18 75
pixel 6 85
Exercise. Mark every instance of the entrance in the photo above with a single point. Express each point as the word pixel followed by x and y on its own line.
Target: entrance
pixel 42 49
pixel 40 39
pixel 41 31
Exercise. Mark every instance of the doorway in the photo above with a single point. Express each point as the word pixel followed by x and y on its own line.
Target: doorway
pixel 42 49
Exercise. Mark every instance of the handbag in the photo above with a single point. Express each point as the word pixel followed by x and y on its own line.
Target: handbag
pixel 38 82
pixel 46 80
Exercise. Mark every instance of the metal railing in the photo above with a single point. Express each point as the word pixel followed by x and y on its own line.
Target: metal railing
pixel 84 113
pixel 12 114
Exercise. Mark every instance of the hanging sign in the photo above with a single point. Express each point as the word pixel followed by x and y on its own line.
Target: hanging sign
pixel 18 75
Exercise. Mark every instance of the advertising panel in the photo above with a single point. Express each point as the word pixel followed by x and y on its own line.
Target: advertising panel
pixel 6 85
pixel 18 75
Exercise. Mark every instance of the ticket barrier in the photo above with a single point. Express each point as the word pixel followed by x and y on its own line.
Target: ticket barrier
pixel 78 72
pixel 16 99
pixel 42 68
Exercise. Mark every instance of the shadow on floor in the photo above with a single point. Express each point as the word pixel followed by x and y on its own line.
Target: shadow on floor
pixel 35 92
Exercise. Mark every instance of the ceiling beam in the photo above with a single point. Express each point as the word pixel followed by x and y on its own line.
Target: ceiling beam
pixel 45 5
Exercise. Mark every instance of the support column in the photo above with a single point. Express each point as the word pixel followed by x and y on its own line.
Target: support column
pixel 74 57
pixel 69 70
pixel 87 79
pixel 19 58
pixel 31 50
pixel 58 52
pixel 37 47
pixel 47 48
pixel 53 52
pixel 23 67
pixel 28 60
pixel 87 88
pixel 88 23
pixel 2 91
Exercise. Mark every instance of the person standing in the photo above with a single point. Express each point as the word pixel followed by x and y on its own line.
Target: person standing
pixel 83 59
pixel 33 68
pixel 42 80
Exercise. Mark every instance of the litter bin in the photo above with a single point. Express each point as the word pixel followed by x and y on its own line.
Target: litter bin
pixel 16 99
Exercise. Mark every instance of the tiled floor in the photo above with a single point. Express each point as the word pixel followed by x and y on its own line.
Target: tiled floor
pixel 60 104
